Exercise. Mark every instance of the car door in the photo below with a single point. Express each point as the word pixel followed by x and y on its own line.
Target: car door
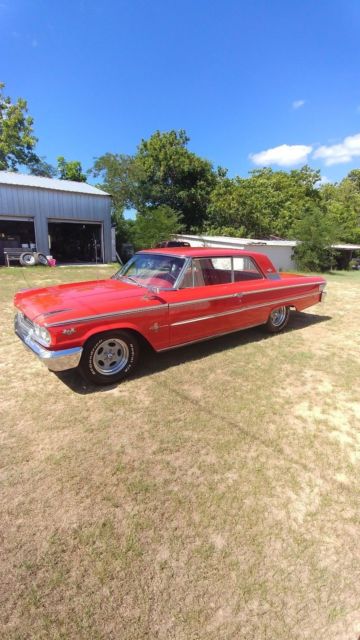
pixel 201 308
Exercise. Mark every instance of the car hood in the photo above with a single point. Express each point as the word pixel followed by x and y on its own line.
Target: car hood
pixel 70 301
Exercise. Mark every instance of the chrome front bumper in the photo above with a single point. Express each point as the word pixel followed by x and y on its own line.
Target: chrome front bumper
pixel 54 360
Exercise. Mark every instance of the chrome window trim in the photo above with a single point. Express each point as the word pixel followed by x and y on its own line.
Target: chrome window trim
pixel 245 308
pixel 177 283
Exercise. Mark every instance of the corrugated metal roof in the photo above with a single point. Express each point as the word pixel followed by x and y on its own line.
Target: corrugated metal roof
pixel 24 180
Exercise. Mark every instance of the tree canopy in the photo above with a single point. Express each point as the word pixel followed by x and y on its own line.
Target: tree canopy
pixel 169 174
pixel 266 203
pixel 154 225
pixel 70 170
pixel 171 188
pixel 163 172
pixel 17 139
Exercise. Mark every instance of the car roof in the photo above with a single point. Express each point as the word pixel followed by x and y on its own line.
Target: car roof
pixel 201 252
pixel 261 259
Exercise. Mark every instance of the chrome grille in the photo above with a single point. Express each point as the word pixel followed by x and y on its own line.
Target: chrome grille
pixel 23 325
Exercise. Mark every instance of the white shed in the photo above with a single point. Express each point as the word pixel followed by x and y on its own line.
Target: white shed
pixel 279 251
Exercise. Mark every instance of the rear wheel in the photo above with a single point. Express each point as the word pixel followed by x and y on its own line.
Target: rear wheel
pixel 109 357
pixel 278 319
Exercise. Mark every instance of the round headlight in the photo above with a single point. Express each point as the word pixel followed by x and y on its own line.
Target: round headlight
pixel 42 335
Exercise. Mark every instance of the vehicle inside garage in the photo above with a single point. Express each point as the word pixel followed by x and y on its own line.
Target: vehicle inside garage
pixel 72 242
pixel 16 234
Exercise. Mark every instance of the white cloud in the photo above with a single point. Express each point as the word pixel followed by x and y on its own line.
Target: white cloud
pixel 297 104
pixel 286 155
pixel 323 180
pixel 340 153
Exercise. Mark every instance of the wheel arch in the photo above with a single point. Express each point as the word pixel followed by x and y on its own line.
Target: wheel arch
pixel 143 341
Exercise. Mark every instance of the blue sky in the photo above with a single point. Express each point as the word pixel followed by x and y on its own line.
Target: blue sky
pixel 256 83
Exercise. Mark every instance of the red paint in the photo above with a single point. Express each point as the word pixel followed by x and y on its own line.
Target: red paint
pixel 71 305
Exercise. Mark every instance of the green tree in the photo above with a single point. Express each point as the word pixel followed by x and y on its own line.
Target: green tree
pixel 317 233
pixel 70 170
pixel 17 140
pixel 42 168
pixel 117 175
pixel 266 203
pixel 354 177
pixel 154 225
pixel 342 205
pixel 167 173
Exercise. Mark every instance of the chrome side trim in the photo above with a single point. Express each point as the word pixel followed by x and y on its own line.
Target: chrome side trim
pixel 201 300
pixel 243 293
pixel 234 311
pixel 99 316
pixel 172 305
pixel 218 335
pixel 286 286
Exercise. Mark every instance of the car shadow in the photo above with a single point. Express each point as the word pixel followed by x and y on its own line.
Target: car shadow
pixel 152 362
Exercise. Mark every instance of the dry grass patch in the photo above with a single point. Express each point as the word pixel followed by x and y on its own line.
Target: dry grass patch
pixel 215 495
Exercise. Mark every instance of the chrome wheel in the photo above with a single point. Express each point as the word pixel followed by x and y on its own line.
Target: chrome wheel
pixel 111 356
pixel 278 316
pixel 278 319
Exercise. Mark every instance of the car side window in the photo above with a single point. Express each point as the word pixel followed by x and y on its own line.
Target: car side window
pixel 205 272
pixel 245 269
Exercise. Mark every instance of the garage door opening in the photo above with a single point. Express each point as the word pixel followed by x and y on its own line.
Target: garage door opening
pixel 75 242
pixel 16 234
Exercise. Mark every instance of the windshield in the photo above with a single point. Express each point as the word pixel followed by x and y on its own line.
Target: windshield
pixel 156 270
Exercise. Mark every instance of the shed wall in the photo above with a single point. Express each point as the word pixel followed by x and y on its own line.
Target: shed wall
pixel 280 256
pixel 42 204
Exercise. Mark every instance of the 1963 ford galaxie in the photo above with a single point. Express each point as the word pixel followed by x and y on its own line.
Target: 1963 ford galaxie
pixel 167 297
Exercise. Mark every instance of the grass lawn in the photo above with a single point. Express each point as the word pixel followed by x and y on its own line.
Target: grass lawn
pixel 215 495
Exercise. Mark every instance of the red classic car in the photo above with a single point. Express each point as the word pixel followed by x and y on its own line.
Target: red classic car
pixel 166 297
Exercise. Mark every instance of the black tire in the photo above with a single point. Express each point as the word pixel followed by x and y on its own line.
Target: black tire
pixel 96 364
pixel 42 259
pixel 278 319
pixel 27 259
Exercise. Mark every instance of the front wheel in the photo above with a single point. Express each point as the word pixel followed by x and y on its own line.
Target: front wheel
pixel 278 319
pixel 109 357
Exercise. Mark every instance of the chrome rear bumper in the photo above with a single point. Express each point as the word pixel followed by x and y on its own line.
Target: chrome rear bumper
pixel 54 360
